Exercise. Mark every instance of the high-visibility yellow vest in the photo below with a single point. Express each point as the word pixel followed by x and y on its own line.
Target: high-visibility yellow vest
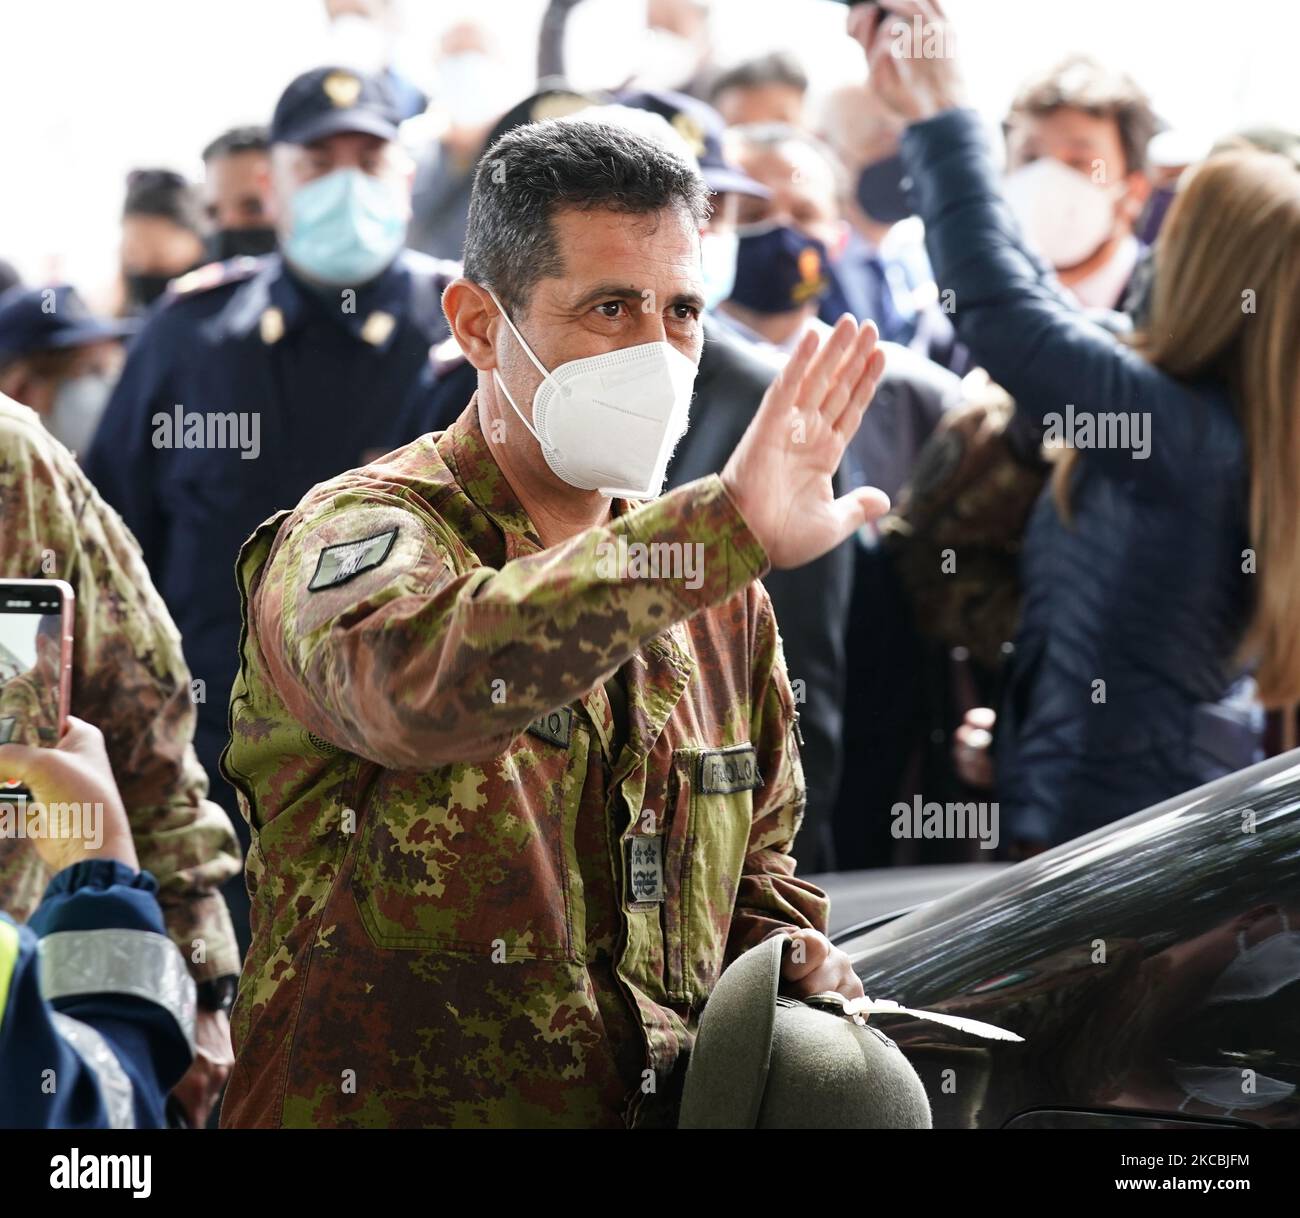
pixel 8 958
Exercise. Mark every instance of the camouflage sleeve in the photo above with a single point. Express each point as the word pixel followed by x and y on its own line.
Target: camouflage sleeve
pixel 385 637
pixel 131 681
pixel 20 712
pixel 770 898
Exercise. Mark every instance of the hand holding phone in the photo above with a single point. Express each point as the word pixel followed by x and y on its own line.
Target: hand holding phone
pixel 73 785
pixel 912 59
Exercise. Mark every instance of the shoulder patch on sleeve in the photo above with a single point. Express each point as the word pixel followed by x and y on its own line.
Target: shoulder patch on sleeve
pixel 339 563
pixel 349 552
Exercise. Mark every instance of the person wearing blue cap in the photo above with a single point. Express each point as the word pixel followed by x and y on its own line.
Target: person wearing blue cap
pixel 59 359
pixel 260 376
pixel 701 126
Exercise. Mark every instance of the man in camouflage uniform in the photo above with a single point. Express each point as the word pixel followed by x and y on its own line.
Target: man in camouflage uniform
pixel 29 701
pixel 512 812
pixel 130 681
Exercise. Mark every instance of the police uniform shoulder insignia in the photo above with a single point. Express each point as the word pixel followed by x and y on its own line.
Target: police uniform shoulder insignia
pixel 213 275
pixel 339 563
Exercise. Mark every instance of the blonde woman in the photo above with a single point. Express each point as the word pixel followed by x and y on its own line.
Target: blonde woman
pixel 1161 569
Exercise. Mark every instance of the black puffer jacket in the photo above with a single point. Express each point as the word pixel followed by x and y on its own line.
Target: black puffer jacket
pixel 1132 614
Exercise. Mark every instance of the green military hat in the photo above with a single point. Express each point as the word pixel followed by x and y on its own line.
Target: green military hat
pixel 768 1062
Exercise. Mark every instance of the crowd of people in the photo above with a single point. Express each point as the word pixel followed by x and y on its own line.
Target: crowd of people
pixel 1082 601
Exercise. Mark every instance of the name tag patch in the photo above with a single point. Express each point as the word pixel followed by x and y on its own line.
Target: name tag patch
pixel 646 865
pixel 339 563
pixel 555 726
pixel 726 771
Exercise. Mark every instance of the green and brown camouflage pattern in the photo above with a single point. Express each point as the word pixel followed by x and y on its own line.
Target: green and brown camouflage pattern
pixel 442 932
pixel 129 679
pixel 29 710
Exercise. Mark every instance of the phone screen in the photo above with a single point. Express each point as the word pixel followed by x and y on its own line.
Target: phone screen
pixel 35 650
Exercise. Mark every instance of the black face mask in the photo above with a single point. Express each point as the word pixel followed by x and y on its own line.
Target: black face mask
pixel 143 290
pixel 880 191
pixel 239 242
pixel 779 270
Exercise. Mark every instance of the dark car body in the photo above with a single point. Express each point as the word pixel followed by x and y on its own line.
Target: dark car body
pixel 1128 961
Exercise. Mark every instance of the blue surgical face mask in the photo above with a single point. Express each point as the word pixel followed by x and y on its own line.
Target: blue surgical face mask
pixel 779 269
pixel 718 255
pixel 346 227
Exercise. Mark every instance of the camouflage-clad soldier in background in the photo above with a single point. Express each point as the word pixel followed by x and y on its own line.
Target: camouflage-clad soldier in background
pixel 29 701
pixel 130 681
pixel 518 753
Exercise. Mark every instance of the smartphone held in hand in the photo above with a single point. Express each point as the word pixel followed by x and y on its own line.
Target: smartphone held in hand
pixel 35 660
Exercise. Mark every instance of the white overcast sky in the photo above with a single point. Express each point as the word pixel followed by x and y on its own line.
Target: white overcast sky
pixel 92 88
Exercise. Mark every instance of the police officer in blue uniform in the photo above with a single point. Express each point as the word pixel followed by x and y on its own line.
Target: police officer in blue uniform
pixel 256 378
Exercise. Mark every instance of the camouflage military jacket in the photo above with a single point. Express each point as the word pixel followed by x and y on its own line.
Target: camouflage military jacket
pixel 468 909
pixel 130 680
pixel 29 707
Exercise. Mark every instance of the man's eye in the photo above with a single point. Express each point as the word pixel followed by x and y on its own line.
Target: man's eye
pixel 615 305
pixel 685 312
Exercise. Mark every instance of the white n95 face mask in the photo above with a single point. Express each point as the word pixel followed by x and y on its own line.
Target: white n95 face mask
pixel 1066 216
pixel 610 422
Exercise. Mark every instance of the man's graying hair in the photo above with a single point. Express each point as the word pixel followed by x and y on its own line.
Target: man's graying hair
pixel 772 137
pixel 535 170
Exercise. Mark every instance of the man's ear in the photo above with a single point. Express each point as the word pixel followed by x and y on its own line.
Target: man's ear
pixel 471 313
